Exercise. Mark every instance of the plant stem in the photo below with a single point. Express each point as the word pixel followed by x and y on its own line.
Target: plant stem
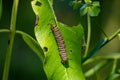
pixel 114 65
pixel 114 35
pixel 10 45
pixel 88 35
pixel 111 76
pixel 96 68
pixel 4 30
pixel 103 42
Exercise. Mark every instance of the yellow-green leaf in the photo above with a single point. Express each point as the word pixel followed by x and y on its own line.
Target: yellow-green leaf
pixel 54 68
pixel 87 1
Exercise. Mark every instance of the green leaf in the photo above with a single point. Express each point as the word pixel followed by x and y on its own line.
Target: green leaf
pixel 87 1
pixel 83 10
pixel 0 8
pixel 96 3
pixel 75 4
pixel 51 1
pixel 93 11
pixel 90 8
pixel 53 67
pixel 33 44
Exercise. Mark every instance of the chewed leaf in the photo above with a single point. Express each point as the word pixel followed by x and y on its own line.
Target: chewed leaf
pixel 54 67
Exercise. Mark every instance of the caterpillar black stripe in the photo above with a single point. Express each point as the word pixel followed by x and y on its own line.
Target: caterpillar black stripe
pixel 60 43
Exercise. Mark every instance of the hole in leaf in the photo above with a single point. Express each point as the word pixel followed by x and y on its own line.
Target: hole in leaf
pixel 71 51
pixel 38 3
pixel 45 49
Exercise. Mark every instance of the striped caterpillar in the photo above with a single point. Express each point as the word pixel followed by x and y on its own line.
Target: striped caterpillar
pixel 60 43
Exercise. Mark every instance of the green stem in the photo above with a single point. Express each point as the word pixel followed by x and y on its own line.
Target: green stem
pixel 96 68
pixel 108 39
pixel 114 66
pixel 10 44
pixel 111 76
pixel 4 30
pixel 101 44
pixel 114 35
pixel 88 35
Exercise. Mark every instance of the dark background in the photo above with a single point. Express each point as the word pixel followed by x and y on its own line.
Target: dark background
pixel 25 64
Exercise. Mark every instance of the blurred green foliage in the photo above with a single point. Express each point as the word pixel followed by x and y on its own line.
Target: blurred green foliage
pixel 25 64
pixel 0 8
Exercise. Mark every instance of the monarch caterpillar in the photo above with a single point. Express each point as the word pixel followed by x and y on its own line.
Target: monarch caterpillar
pixel 60 43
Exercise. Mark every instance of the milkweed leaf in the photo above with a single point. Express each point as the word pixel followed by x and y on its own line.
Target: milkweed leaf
pixel 53 66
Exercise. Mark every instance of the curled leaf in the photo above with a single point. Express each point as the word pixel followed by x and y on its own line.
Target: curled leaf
pixel 33 44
